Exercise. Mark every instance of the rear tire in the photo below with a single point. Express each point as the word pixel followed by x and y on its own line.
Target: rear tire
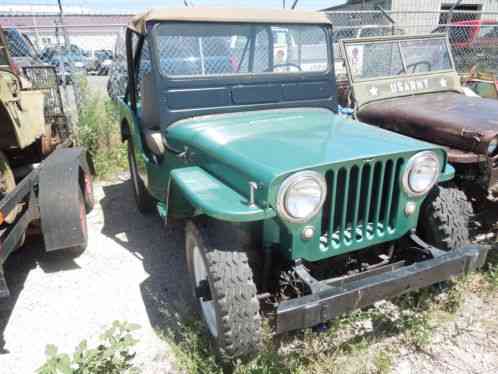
pixel 78 250
pixel 445 218
pixel 89 195
pixel 145 203
pixel 224 289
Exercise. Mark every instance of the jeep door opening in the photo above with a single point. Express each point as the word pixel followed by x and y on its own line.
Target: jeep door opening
pixel 273 185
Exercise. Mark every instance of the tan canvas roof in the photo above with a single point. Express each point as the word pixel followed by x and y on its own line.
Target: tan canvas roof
pixel 204 14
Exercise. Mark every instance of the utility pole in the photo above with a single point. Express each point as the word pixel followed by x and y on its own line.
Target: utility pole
pixel 283 4
pixel 61 18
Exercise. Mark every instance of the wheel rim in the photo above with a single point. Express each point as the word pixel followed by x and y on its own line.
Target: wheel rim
pixel 83 222
pixel 207 306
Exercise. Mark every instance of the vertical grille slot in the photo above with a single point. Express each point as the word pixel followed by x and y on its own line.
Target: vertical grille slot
pixel 362 201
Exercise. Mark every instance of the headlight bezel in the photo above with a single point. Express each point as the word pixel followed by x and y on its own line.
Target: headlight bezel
pixel 412 162
pixel 289 183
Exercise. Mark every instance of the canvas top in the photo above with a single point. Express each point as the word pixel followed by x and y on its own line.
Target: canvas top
pixel 235 15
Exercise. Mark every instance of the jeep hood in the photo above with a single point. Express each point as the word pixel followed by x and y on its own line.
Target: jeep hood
pixel 450 119
pixel 263 145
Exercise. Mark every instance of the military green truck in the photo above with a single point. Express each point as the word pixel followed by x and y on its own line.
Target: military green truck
pixel 408 84
pixel 283 199
pixel 43 179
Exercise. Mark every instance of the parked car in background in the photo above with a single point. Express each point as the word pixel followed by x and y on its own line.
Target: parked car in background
pixel 21 49
pixel 484 84
pixel 68 64
pixel 118 72
pixel 473 41
pixel 104 59
pixel 99 62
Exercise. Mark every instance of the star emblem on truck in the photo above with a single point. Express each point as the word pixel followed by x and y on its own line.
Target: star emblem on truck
pixel 443 82
pixel 374 91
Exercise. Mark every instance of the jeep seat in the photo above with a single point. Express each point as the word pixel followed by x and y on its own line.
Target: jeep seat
pixel 154 141
pixel 151 115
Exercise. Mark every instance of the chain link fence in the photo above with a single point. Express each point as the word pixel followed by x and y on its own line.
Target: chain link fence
pixel 473 35
pixel 82 56
pixel 92 46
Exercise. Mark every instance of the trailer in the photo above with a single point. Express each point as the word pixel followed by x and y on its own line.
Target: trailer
pixel 45 181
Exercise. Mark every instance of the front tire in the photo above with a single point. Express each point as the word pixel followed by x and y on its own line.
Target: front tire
pixel 224 289
pixel 445 218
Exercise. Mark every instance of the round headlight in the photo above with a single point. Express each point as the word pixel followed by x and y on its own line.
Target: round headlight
pixel 421 173
pixel 492 147
pixel 301 196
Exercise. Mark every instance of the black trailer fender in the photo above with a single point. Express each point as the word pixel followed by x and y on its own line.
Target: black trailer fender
pixel 63 221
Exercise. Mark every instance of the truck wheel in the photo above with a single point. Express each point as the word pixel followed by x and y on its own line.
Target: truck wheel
pixel 444 219
pixel 88 195
pixel 79 249
pixel 7 184
pixel 224 289
pixel 144 201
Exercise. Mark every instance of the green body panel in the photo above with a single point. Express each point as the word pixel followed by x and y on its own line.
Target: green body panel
pixel 267 146
pixel 214 198
pixel 222 153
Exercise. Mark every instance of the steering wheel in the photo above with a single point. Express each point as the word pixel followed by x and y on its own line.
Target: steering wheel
pixel 283 65
pixel 415 65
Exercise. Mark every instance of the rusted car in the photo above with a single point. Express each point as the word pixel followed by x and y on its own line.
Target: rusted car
pixel 408 84
pixel 482 83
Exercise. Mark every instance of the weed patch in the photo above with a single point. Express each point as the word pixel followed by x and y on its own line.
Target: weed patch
pixel 99 132
pixel 111 356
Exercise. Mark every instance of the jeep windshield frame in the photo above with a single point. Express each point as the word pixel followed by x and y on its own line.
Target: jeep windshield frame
pixel 410 56
pixel 197 50
pixel 166 98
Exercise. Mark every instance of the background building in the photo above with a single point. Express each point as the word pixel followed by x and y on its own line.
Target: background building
pixel 418 15
pixel 86 28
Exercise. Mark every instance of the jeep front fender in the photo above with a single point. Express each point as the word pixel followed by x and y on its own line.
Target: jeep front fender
pixel 208 195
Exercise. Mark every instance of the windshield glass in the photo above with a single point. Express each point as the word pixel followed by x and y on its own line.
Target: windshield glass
pixel 368 60
pixel 202 49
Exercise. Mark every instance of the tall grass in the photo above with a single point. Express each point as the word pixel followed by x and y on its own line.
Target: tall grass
pixel 98 131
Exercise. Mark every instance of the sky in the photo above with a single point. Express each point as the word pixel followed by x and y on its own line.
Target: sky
pixel 132 5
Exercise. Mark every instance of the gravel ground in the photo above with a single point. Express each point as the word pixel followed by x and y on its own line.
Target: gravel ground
pixel 132 271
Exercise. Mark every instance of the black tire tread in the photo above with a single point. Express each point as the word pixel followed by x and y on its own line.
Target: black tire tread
pixel 233 288
pixel 445 218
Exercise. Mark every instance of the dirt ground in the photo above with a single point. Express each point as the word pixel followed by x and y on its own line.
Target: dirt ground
pixel 134 270
pixel 130 272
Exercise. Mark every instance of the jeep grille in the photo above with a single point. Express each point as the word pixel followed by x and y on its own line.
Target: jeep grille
pixel 362 201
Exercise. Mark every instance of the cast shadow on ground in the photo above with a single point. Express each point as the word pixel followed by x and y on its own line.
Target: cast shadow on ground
pixel 166 291
pixel 17 268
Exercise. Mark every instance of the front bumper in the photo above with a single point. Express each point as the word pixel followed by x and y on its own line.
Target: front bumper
pixel 329 299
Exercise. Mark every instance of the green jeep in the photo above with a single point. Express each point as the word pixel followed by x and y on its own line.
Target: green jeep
pixel 284 200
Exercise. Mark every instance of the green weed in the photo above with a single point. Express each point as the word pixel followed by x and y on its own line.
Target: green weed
pixel 99 131
pixel 111 356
